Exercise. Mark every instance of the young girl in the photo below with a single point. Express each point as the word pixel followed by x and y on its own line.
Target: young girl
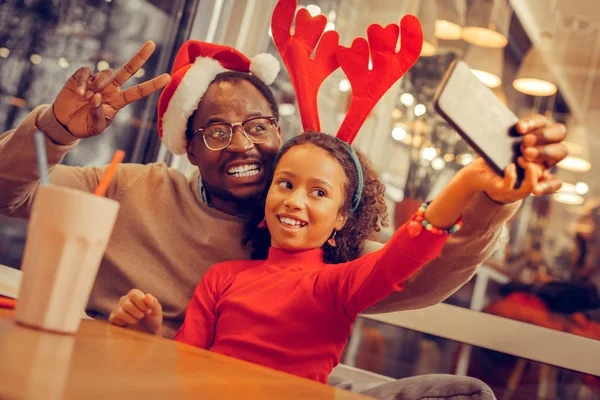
pixel 293 310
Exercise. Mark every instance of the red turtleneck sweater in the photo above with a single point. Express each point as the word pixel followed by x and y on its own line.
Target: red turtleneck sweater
pixel 292 312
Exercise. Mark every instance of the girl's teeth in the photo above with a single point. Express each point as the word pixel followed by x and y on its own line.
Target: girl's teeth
pixel 291 222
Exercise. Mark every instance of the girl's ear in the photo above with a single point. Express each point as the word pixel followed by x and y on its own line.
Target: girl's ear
pixel 341 221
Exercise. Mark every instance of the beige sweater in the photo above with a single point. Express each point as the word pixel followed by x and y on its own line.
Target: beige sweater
pixel 166 238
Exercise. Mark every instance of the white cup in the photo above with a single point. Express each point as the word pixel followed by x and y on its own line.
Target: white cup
pixel 66 238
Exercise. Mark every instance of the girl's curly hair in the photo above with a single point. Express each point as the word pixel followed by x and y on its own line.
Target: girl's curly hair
pixel 361 225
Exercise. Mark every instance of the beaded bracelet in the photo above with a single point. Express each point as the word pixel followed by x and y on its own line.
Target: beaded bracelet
pixel 415 227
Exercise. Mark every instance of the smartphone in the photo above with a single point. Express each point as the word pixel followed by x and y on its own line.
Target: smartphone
pixel 479 117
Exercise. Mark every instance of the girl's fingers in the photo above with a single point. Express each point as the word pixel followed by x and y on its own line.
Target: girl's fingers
pixel 133 310
pixel 153 304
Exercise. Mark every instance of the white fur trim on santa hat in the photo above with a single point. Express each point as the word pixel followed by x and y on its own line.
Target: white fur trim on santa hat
pixel 185 101
pixel 265 66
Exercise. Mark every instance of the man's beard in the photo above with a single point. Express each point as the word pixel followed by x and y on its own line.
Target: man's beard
pixel 244 202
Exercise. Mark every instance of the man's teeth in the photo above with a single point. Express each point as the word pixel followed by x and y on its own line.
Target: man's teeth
pixel 243 171
pixel 291 221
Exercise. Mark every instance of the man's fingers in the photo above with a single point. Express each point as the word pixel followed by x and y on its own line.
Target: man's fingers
pixel 135 63
pixel 142 90
pixel 100 81
pixel 553 133
pixel 81 77
pixel 97 121
pixel 531 123
pixel 531 154
pixel 548 155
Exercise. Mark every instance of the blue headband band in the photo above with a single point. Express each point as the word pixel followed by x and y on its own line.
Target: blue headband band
pixel 360 180
pixel 359 175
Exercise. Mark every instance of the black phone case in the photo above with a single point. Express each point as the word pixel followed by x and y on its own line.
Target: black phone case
pixel 479 117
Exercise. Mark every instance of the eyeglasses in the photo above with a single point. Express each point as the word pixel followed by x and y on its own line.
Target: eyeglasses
pixel 218 136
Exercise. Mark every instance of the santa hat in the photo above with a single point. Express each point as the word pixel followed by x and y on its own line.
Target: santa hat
pixel 196 66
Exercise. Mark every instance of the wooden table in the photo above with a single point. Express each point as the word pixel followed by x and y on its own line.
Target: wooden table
pixel 108 362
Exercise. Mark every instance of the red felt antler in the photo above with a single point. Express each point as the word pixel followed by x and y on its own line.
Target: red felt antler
pixel 307 74
pixel 369 85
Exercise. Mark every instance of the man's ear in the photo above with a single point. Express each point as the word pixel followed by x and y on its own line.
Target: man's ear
pixel 341 221
pixel 189 142
pixel 189 146
pixel 279 135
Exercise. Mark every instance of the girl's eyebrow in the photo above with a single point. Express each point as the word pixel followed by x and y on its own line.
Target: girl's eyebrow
pixel 315 180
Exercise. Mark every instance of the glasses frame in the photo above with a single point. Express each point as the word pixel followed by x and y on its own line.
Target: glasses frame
pixel 232 126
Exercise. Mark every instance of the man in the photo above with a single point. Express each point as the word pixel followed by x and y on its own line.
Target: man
pixel 171 230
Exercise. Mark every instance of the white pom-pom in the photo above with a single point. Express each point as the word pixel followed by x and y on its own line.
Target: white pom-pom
pixel 265 66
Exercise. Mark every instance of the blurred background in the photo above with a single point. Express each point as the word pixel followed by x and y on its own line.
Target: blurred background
pixel 538 56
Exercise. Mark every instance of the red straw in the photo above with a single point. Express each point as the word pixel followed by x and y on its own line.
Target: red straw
pixel 110 173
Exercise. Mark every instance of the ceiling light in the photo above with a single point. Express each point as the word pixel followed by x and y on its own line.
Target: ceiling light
pixel 450 18
pixel 568 198
pixel 488 23
pixel 420 110
pixel 567 188
pixel 313 9
pixel 102 65
pixel 438 164
pixel 581 188
pixel 63 63
pixel 534 77
pixel 465 159
pixel 286 109
pixel 399 133
pixel 535 87
pixel 427 16
pixel 490 80
pixel 486 64
pixel 428 153
pixel 484 37
pixel 578 143
pixel 575 164
pixel 344 86
pixel 447 30
pixel 4 52
pixel 428 49
pixel 35 59
pixel 407 99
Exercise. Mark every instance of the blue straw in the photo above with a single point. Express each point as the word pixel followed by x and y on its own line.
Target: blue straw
pixel 42 158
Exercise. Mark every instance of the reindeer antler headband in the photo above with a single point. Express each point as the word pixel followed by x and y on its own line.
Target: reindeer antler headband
pixel 368 84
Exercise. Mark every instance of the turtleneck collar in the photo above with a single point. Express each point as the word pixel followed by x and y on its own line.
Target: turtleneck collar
pixel 283 258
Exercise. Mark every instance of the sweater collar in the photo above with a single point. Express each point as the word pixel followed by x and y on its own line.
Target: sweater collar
pixel 284 258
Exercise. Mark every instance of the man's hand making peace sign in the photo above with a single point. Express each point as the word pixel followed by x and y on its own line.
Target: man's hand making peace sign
pixel 88 103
